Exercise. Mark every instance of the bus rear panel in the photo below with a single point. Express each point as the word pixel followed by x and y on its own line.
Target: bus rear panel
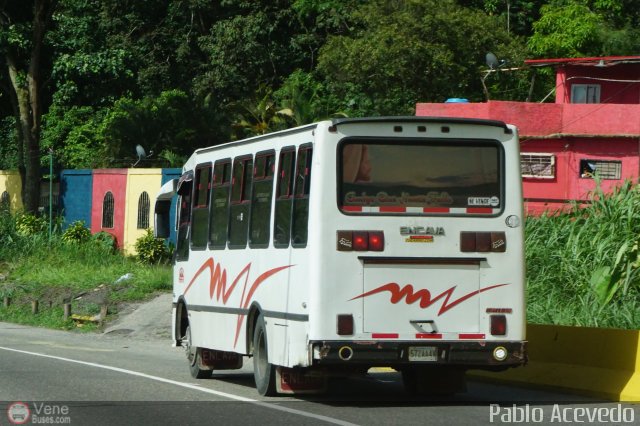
pixel 420 254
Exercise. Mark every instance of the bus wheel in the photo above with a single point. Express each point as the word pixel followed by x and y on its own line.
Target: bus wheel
pixel 263 371
pixel 194 356
pixel 434 381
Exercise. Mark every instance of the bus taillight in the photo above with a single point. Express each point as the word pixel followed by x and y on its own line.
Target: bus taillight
pixel 376 241
pixel 498 325
pixel 483 242
pixel 344 325
pixel 360 241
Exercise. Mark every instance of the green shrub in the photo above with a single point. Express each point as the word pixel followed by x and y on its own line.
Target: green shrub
pixel 7 226
pixel 28 224
pixel 151 249
pixel 105 240
pixel 76 233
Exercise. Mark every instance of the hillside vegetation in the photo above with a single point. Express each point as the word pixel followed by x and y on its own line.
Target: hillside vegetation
pixel 87 80
pixel 71 267
pixel 583 267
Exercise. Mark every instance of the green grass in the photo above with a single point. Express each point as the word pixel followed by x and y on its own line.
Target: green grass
pixel 583 269
pixel 55 272
pixel 582 266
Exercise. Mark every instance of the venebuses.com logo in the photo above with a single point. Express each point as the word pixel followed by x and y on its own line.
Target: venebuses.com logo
pixel 20 413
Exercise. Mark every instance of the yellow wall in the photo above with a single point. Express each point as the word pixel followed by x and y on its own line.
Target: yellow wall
pixel 139 181
pixel 10 181
pixel 599 362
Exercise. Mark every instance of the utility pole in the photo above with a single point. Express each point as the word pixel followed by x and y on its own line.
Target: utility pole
pixel 50 193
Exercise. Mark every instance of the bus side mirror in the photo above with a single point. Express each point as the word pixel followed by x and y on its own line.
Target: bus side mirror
pixel 162 225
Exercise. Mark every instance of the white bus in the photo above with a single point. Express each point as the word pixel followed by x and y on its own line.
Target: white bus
pixel 352 243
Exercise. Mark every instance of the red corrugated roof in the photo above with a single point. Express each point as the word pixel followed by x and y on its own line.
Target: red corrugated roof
pixel 607 60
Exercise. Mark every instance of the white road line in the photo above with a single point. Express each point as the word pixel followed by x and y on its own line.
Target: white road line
pixel 188 386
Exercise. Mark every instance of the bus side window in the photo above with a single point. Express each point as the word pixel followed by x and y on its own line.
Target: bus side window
pixel 240 202
pixel 284 198
pixel 261 200
pixel 184 220
pixel 201 201
pixel 299 229
pixel 219 219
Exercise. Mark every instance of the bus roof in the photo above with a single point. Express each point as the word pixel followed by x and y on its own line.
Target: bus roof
pixel 341 121
pixel 419 119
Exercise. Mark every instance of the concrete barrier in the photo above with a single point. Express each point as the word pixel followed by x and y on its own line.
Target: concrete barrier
pixel 599 362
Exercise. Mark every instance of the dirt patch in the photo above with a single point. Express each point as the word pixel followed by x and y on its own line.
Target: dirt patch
pixel 149 320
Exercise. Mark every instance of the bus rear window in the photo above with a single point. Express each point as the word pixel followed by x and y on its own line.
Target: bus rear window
pixel 387 176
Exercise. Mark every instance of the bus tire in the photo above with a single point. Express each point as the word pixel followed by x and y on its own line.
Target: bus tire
pixel 263 370
pixel 194 357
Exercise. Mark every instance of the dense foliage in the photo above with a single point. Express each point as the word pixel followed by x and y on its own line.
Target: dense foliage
pixel 88 80
pixel 583 267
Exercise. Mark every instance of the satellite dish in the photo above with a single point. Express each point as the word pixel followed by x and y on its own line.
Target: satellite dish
pixel 492 61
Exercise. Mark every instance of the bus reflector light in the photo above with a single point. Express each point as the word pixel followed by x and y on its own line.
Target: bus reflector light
pixel 376 241
pixel 345 325
pixel 360 241
pixel 483 242
pixel 498 325
pixel 467 241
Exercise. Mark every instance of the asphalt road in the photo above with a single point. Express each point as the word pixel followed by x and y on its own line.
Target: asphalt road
pixel 89 379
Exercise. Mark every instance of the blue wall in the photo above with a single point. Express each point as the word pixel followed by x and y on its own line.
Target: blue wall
pixel 75 196
pixel 167 175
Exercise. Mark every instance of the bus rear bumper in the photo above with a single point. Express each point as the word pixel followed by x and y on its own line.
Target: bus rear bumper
pixel 491 355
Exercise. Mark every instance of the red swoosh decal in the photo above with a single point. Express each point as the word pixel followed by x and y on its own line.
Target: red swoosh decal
pixel 218 285
pixel 424 295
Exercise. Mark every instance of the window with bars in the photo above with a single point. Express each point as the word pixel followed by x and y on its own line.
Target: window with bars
pixel 604 169
pixel 143 211
pixel 107 210
pixel 538 165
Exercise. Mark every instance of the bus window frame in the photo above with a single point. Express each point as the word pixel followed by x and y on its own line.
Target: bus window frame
pixel 222 184
pixel 420 141
pixel 304 195
pixel 184 207
pixel 244 201
pixel 200 207
pixel 266 176
pixel 278 197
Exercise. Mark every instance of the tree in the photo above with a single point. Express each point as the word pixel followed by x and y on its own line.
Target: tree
pixel 566 29
pixel 23 28
pixel 406 51
pixel 575 28
pixel 258 116
pixel 253 43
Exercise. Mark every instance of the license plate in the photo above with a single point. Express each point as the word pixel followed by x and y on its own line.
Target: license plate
pixel 423 353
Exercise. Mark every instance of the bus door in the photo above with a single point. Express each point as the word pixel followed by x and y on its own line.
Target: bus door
pixel 181 255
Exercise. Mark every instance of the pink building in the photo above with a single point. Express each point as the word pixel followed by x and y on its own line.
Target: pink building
pixel 592 128
pixel 108 200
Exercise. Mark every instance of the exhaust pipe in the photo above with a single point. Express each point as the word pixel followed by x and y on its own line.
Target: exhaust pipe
pixel 345 353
